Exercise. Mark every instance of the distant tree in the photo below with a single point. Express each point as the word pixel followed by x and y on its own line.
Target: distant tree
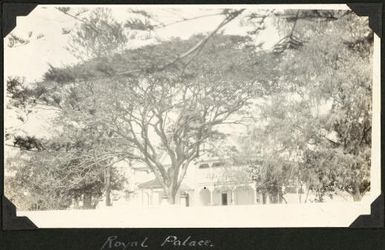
pixel 318 112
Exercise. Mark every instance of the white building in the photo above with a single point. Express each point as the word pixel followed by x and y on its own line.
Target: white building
pixel 207 183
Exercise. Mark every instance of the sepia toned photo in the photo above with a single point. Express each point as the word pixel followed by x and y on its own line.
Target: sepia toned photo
pixel 192 116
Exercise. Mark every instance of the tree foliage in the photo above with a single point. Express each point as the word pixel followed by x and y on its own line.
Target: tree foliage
pixel 69 167
pixel 99 35
pixel 319 109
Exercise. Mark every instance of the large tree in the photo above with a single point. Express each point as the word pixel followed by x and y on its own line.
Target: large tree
pixel 148 90
pixel 161 116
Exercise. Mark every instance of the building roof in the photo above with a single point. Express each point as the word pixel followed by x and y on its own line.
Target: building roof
pixel 154 184
pixel 150 184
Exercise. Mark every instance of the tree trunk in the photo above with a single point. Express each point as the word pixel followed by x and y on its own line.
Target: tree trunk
pixel 263 198
pixel 108 186
pixel 171 199
pixel 96 202
pixel 76 202
pixel 307 194
pixel 357 196
pixel 108 198
pixel 172 195
pixel 87 200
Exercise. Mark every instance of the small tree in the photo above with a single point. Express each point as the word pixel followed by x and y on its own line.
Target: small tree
pixel 58 174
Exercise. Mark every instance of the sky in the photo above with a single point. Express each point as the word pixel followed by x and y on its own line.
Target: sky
pixel 32 60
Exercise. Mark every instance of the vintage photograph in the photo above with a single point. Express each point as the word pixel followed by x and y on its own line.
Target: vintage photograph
pixel 190 115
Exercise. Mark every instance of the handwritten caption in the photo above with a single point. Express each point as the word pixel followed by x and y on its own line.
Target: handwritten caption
pixel 114 242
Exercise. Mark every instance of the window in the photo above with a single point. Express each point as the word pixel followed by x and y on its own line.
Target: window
pixel 218 164
pixel 205 165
